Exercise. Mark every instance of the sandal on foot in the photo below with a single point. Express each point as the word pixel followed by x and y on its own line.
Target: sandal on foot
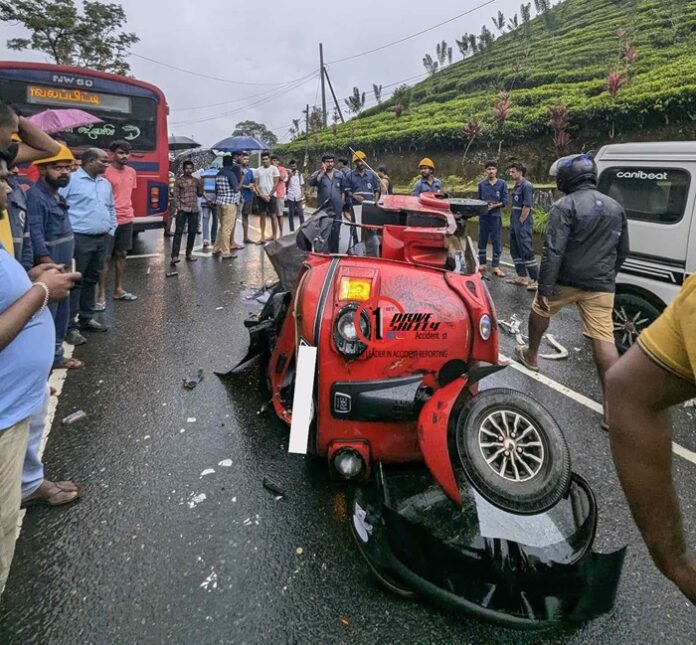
pixel 126 297
pixel 54 494
pixel 100 305
pixel 69 364
pixel 518 353
pixel 499 273
pixel 520 282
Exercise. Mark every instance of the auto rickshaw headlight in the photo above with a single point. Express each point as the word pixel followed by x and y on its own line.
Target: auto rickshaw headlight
pixel 348 341
pixel 485 326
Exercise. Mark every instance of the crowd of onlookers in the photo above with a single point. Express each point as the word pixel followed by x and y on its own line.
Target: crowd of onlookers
pixel 63 224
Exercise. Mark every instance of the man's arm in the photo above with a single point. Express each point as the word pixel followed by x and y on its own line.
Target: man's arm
pixel 37 216
pixel 35 144
pixel 504 195
pixel 622 252
pixel 316 178
pixel 199 187
pixel 639 395
pixel 112 211
pixel 555 243
pixel 27 259
pixel 527 201
pixel 19 313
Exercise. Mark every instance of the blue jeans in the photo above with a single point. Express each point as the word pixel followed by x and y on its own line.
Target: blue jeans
pixel 522 247
pixel 61 253
pixel 490 227
pixel 209 212
pixel 33 470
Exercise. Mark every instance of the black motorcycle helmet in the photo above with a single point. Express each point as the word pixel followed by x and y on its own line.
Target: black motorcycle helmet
pixel 572 171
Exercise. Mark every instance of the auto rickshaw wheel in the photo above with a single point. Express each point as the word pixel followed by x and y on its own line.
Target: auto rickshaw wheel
pixel 513 451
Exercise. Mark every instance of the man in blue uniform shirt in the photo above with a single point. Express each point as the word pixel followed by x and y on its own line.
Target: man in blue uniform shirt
pixel 52 236
pixel 521 229
pixel 493 190
pixel 428 183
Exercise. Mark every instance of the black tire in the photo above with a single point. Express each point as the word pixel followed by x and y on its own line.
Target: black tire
pixel 539 475
pixel 632 314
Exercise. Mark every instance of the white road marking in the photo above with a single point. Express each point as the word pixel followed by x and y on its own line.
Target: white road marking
pixel 679 450
pixel 144 255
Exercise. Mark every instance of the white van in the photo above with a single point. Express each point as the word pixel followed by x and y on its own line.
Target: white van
pixel 656 184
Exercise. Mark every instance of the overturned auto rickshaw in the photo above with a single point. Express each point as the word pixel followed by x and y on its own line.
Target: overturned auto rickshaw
pixel 401 331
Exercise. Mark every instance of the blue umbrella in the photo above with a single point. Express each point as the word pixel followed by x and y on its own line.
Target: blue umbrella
pixel 237 144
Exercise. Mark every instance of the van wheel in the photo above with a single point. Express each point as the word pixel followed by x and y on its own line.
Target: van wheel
pixel 632 314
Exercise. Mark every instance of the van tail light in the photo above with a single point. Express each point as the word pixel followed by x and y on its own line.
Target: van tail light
pixel 154 197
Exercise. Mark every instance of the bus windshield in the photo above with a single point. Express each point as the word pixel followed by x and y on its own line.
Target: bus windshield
pixel 132 118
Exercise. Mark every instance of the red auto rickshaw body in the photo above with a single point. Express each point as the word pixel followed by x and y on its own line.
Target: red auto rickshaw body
pixel 422 333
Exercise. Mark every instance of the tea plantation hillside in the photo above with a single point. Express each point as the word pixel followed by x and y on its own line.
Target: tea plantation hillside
pixel 606 67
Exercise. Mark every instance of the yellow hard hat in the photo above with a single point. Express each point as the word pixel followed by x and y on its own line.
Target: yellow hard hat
pixel 64 154
pixel 359 156
pixel 427 162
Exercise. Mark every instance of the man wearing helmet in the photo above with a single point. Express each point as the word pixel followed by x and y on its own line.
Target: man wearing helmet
pixel 427 183
pixel 52 235
pixel 586 243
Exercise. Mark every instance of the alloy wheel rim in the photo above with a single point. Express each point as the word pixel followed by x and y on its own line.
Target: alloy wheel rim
pixel 511 445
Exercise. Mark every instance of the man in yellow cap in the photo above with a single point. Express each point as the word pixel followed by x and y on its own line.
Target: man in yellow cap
pixel 362 184
pixel 427 183
pixel 52 235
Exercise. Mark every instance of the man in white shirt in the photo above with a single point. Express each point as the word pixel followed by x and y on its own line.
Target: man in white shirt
pixel 295 182
pixel 266 179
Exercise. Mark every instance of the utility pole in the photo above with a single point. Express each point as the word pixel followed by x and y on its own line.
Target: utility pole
pixel 323 86
pixel 338 107
pixel 306 153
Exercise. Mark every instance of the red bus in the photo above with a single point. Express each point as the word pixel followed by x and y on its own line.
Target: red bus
pixel 130 110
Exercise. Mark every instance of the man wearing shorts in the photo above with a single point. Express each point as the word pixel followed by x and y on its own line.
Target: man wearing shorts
pixel 586 244
pixel 267 178
pixel 123 182
pixel 657 373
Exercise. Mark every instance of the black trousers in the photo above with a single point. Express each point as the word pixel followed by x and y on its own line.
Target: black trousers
pixel 295 209
pixel 90 252
pixel 182 218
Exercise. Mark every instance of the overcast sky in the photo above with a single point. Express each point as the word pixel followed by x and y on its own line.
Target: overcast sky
pixel 277 43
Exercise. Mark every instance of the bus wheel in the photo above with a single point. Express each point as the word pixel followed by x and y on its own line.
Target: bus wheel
pixel 632 314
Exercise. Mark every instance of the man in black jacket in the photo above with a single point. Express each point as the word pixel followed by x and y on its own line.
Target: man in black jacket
pixel 586 244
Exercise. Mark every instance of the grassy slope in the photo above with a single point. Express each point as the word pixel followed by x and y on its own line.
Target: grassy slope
pixel 567 65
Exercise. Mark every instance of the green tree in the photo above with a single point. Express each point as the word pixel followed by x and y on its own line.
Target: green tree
pixel 430 64
pixel 377 91
pixel 356 102
pixel 91 38
pixel 499 22
pixel 463 45
pixel 256 130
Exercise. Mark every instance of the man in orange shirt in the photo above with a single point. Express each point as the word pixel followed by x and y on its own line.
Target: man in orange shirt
pixel 123 182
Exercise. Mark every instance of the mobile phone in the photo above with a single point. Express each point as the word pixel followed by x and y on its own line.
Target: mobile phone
pixel 73 266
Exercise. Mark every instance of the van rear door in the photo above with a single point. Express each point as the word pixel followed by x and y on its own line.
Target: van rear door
pixel 658 198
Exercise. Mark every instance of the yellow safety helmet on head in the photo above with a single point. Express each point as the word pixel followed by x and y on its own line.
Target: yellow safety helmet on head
pixel 64 154
pixel 359 156
pixel 427 162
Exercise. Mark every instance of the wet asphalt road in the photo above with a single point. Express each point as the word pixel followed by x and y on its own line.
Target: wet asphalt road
pixel 145 558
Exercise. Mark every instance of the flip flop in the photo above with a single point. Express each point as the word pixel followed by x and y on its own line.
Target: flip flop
pixel 36 500
pixel 519 357
pixel 236 247
pixel 605 426
pixel 126 297
pixel 100 306
pixel 69 364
